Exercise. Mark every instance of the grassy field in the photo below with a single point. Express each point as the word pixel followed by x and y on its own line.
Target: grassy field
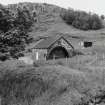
pixel 73 81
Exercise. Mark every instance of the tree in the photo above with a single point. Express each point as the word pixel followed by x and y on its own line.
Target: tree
pixel 96 23
pixel 102 17
pixel 14 31
pixel 13 42
pixel 6 20
pixel 82 20
pixel 24 19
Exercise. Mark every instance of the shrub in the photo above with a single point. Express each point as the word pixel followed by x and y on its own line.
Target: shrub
pixel 4 56
pixel 74 53
pixel 36 64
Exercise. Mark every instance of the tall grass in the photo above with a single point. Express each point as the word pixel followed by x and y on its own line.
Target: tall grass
pixel 57 82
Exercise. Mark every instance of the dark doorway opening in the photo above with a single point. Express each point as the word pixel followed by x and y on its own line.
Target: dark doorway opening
pixel 58 52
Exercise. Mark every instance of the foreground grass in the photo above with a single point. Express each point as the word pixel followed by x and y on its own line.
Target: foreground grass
pixel 59 82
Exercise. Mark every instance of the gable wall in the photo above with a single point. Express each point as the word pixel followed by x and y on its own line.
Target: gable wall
pixel 61 42
pixel 65 44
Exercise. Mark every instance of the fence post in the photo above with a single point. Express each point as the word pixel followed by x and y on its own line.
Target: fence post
pixel 0 101
pixel 96 56
pixel 103 56
pixel 66 60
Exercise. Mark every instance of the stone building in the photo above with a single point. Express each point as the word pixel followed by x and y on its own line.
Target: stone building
pixel 52 48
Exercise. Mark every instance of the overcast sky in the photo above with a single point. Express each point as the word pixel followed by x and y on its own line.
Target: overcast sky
pixel 96 6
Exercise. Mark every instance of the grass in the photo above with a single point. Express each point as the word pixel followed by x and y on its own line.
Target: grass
pixel 32 84
pixel 57 82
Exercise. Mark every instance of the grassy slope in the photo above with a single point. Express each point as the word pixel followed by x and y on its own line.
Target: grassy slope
pixel 51 23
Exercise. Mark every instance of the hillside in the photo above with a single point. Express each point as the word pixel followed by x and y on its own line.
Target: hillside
pixel 79 80
pixel 51 24
pixel 45 21
pixel 49 21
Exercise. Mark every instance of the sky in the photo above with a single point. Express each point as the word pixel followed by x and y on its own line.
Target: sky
pixel 95 6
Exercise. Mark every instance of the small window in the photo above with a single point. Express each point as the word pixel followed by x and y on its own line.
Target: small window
pixel 87 44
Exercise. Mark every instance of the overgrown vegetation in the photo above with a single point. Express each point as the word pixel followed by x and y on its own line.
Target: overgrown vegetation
pixel 14 28
pixel 58 82
pixel 81 19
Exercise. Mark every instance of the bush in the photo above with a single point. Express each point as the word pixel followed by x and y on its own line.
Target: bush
pixel 74 53
pixel 4 56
